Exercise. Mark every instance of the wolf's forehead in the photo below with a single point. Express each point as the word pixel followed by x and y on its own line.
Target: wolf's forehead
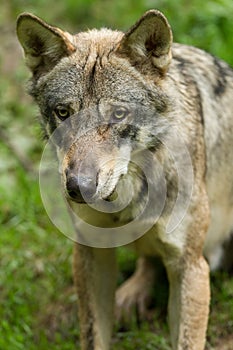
pixel 94 72
pixel 94 49
pixel 96 43
pixel 95 80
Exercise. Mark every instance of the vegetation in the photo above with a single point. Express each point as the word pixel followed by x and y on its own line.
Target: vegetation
pixel 37 300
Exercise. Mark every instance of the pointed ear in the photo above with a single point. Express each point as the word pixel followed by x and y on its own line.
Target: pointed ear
pixel 148 41
pixel 43 44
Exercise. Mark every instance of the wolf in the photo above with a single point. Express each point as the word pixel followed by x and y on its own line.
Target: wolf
pixel 132 103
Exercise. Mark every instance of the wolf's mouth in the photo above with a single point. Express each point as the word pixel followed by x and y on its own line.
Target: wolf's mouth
pixel 80 200
pixel 72 195
pixel 112 197
pixel 114 193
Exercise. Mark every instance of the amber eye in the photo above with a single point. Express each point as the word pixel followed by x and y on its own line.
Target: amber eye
pixel 120 113
pixel 62 112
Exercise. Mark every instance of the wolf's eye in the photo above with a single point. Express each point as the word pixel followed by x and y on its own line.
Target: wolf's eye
pixel 62 112
pixel 120 113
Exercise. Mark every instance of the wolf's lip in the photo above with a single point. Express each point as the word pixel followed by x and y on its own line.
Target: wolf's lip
pixel 75 200
pixel 112 197
pixel 91 200
pixel 78 199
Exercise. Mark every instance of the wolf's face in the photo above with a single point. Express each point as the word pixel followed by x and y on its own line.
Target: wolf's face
pixel 101 93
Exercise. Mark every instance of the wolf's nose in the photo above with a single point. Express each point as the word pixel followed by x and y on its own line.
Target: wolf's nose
pixel 80 188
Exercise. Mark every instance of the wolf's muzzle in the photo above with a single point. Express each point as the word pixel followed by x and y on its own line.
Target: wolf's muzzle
pixel 80 188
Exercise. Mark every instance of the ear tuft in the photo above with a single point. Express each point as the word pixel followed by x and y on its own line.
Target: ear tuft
pixel 149 39
pixel 43 44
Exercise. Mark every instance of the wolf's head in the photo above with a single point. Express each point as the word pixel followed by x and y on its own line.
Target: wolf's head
pixel 101 93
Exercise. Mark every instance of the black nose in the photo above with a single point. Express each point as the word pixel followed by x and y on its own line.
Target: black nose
pixel 80 188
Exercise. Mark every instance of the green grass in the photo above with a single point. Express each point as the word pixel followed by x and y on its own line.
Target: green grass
pixel 37 300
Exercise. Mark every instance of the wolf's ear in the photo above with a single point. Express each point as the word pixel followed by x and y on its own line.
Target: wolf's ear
pixel 150 39
pixel 43 44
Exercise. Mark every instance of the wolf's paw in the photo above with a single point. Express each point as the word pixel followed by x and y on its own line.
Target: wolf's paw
pixel 132 300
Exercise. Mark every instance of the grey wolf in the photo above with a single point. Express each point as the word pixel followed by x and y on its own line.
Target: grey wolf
pixel 138 78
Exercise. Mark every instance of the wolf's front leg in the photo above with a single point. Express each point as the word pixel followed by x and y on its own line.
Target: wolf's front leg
pixel 95 280
pixel 189 280
pixel 189 305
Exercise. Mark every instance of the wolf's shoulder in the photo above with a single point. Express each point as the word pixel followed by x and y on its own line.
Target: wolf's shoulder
pixel 185 56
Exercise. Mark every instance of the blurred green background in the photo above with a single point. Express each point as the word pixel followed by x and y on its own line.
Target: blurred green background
pixel 37 299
